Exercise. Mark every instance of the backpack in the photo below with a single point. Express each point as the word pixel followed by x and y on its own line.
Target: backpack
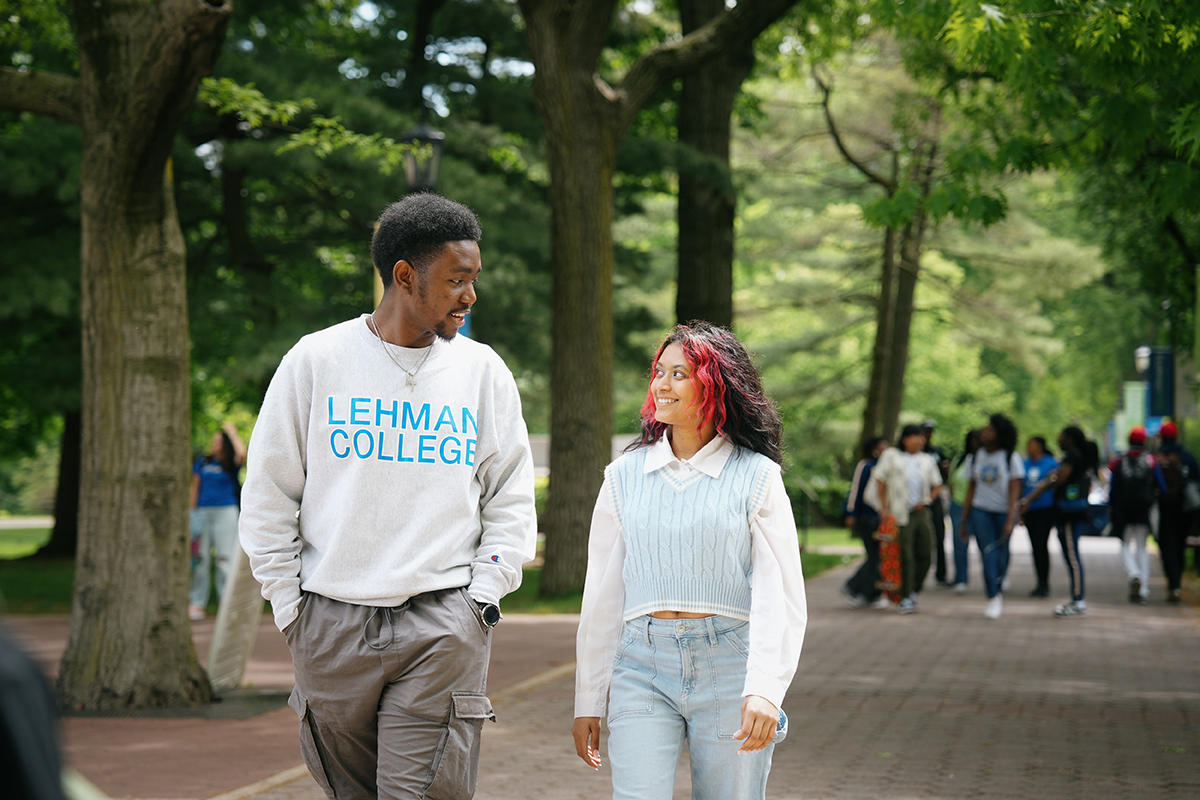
pixel 1137 485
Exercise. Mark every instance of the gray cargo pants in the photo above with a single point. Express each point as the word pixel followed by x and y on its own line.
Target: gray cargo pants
pixel 391 700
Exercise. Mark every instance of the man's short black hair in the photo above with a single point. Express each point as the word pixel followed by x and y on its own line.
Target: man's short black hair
pixel 417 228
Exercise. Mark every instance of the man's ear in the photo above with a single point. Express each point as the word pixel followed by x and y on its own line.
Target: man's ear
pixel 404 275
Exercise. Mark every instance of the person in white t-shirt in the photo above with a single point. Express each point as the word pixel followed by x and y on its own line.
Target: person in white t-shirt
pixel 994 482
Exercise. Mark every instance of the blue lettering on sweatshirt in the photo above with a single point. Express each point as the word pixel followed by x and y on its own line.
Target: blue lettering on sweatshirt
pixel 381 424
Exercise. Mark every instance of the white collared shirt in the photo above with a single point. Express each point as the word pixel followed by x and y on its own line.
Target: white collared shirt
pixel 778 609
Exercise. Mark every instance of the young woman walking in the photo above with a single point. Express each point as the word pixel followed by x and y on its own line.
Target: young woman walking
pixel 1039 516
pixel 990 507
pixel 693 607
pixel 1071 481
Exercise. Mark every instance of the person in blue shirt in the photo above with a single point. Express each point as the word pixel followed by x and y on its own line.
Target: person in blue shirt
pixel 1039 516
pixel 215 502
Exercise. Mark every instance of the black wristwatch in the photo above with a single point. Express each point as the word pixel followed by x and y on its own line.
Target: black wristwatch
pixel 490 613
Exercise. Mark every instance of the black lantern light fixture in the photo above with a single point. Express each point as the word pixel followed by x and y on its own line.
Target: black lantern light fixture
pixel 421 173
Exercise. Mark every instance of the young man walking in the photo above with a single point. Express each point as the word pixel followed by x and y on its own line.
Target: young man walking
pixel 906 480
pixel 1131 496
pixel 388 506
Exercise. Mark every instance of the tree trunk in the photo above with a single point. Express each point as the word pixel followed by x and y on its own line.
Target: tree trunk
pixel 906 285
pixel 581 142
pixel 130 644
pixel 65 536
pixel 707 199
pixel 885 319
pixel 585 119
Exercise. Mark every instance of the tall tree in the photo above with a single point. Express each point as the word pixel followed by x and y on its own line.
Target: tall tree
pixel 707 199
pixel 139 66
pixel 585 118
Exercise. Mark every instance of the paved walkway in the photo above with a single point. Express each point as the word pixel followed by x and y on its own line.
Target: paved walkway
pixel 940 704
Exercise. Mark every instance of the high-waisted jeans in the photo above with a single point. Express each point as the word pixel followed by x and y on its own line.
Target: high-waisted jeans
pixel 675 680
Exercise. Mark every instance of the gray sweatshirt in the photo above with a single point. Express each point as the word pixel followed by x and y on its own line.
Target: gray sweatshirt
pixel 368 491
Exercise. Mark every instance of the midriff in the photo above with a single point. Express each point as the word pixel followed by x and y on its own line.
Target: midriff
pixel 678 615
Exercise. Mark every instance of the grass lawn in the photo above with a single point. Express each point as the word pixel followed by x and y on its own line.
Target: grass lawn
pixel 819 537
pixel 21 542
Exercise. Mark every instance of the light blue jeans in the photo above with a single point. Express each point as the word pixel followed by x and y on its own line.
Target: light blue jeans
pixel 988 527
pixel 213 528
pixel 677 680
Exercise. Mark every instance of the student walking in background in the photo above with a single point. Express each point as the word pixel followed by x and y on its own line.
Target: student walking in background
pixel 861 590
pixel 1130 499
pixel 958 488
pixel 1070 482
pixel 216 496
pixel 990 507
pixel 693 605
pixel 906 482
pixel 939 507
pixel 1039 516
pixel 1176 469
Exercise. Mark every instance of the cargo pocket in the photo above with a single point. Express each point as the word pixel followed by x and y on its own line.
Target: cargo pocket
pixel 308 742
pixel 456 763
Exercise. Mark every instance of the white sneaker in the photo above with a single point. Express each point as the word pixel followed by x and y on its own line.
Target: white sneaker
pixel 1004 584
pixel 907 606
pixel 960 588
pixel 852 600
pixel 882 602
pixel 1070 610
pixel 994 607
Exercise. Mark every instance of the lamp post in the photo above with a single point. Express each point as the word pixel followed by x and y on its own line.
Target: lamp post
pixel 1141 359
pixel 420 174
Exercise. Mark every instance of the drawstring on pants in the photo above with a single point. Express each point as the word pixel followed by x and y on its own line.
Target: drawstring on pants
pixel 387 613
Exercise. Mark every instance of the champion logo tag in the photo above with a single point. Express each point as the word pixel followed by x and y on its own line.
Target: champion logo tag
pixel 496 559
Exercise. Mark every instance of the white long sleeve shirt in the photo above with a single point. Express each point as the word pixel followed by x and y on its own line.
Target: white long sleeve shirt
pixel 778 608
pixel 369 491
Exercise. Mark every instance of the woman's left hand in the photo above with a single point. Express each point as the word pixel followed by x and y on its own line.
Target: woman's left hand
pixel 760 718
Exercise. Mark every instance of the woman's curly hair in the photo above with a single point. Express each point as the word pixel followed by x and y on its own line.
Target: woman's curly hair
pixel 731 393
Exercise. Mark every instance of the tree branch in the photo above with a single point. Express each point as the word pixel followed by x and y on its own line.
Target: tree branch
pixel 874 177
pixel 1173 230
pixel 661 65
pixel 47 93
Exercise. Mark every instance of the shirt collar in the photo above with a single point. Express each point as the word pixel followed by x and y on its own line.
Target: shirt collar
pixel 710 459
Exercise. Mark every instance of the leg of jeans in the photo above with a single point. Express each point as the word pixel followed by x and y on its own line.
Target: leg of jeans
pixel 224 527
pixel 939 540
pixel 961 568
pixel 1068 537
pixel 719 772
pixel 922 548
pixel 646 728
pixel 202 563
pixel 984 526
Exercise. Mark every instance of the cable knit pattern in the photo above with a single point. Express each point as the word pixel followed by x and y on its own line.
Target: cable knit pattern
pixel 688 539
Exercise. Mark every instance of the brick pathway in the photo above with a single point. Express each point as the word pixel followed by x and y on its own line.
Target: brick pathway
pixel 940 704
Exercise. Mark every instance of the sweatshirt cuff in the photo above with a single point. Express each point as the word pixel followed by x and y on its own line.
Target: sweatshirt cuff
pixel 590 704
pixel 765 686
pixel 487 586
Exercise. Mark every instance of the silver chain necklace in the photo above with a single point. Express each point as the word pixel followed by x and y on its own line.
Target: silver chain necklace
pixel 410 376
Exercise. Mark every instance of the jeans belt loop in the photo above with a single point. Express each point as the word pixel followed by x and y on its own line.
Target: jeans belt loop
pixel 712 631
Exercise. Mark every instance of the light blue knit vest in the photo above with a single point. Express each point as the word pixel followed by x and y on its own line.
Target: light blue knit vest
pixel 687 540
